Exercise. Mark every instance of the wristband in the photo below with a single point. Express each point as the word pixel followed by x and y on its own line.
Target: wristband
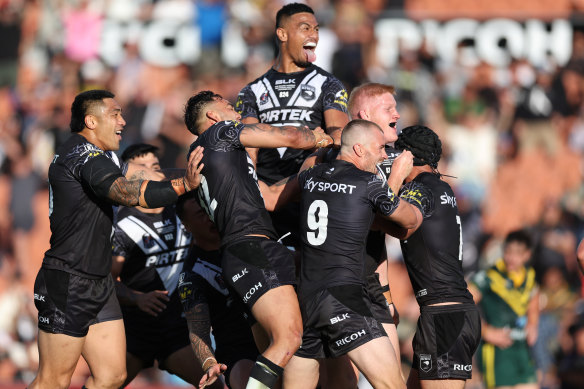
pixel 213 362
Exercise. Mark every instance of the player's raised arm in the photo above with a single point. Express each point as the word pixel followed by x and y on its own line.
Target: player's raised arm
pixel 147 193
pixel 267 136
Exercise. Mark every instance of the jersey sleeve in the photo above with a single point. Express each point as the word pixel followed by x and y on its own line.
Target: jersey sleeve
pixel 419 196
pixel 99 173
pixel 381 196
pixel 224 136
pixel 334 95
pixel 246 104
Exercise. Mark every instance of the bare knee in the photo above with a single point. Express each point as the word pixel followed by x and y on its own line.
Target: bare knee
pixel 290 339
pixel 109 380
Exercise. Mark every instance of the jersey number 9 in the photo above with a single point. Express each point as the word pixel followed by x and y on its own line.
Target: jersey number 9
pixel 317 221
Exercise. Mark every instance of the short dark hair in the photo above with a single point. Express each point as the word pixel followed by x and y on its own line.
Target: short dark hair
pixel 138 150
pixel 518 236
pixel 423 143
pixel 83 102
pixel 194 107
pixel 289 10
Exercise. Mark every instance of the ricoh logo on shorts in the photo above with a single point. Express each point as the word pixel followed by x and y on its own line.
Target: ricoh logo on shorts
pixel 240 275
pixel 44 320
pixel 350 338
pixel 462 367
pixel 251 292
pixel 39 297
pixel 339 318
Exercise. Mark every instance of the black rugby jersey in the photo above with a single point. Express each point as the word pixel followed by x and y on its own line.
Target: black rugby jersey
pixel 229 190
pixel 339 202
pixel 375 246
pixel 433 254
pixel 154 246
pixel 296 99
pixel 81 221
pixel 230 328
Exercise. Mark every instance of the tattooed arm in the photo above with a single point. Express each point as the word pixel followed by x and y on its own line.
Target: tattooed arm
pixel 265 135
pixel 199 323
pixel 141 189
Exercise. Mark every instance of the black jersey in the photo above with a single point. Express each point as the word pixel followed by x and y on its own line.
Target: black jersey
pixel 433 254
pixel 154 246
pixel 375 247
pixel 229 190
pixel 202 281
pixel 80 214
pixel 339 202
pixel 296 99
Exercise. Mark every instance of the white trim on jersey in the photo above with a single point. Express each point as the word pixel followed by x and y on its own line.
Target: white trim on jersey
pixel 273 95
pixel 316 82
pixel 134 228
pixel 128 225
pixel 209 271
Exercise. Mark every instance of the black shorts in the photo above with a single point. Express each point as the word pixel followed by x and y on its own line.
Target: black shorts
pixel 379 305
pixel 256 265
pixel 337 320
pixel 152 338
pixel 446 339
pixel 68 304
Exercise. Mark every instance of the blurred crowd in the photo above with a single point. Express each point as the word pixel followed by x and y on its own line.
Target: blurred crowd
pixel 513 136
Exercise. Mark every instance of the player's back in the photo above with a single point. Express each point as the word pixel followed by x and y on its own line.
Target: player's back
pixel 229 190
pixel 336 213
pixel 434 252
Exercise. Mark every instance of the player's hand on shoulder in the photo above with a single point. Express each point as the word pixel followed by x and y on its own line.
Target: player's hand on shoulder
pixel 212 374
pixel 322 139
pixel 153 302
pixel 192 178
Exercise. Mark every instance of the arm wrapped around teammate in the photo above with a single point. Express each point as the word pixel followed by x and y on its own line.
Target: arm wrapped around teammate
pixel 155 194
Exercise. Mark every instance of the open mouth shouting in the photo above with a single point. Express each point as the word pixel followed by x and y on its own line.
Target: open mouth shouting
pixel 309 48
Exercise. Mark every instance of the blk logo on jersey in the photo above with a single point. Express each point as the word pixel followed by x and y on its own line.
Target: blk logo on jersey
pixel 425 362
